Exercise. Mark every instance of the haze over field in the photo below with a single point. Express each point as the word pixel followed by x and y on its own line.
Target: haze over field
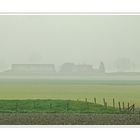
pixel 78 39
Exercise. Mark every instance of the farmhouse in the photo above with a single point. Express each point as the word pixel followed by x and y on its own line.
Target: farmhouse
pixel 81 68
pixel 67 68
pixel 72 68
pixel 84 68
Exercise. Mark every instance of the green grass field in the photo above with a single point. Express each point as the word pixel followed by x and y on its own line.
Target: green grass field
pixel 53 106
pixel 127 91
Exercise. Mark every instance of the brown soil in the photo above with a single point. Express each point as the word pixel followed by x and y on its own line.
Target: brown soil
pixel 68 119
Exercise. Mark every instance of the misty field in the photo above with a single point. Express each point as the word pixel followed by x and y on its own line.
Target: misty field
pixel 123 91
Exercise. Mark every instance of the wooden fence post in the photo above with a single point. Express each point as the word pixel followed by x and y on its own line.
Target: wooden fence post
pixel 119 106
pixel 113 103
pixel 87 104
pixel 105 103
pixel 86 100
pixel 128 105
pixel 133 108
pixel 95 101
pixel 88 107
pixel 123 106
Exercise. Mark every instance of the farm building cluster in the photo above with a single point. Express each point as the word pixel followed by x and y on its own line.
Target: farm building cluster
pixel 50 68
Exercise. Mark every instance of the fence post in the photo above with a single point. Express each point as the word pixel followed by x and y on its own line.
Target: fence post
pixel 113 103
pixel 128 106
pixel 119 106
pixel 86 100
pixel 104 102
pixel 123 106
pixel 95 101
pixel 133 108
pixel 87 104
pixel 88 107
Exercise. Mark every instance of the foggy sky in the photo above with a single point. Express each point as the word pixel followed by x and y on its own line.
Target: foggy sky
pixel 78 39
